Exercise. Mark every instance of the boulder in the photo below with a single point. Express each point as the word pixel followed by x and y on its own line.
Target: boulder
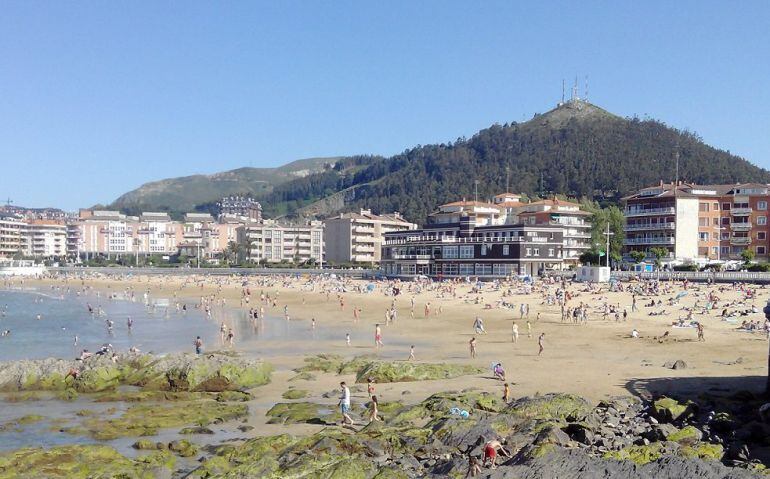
pixel 404 371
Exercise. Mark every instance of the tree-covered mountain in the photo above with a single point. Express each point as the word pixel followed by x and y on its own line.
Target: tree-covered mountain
pixel 577 149
pixel 183 194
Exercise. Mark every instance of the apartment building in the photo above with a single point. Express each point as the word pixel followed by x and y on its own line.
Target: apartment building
pixel 106 232
pixel 358 237
pixel 11 236
pixel 576 223
pixel 273 242
pixel 699 222
pixel 157 234
pixel 462 249
pixel 484 213
pixel 240 207
pixel 45 239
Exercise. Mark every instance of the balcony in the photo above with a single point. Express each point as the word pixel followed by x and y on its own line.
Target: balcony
pixel 740 226
pixel 649 226
pixel 630 212
pixel 651 240
pixel 577 235
pixel 741 211
pixel 740 240
pixel 364 230
pixel 417 257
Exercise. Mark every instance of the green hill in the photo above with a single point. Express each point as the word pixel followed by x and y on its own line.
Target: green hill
pixel 185 193
pixel 577 149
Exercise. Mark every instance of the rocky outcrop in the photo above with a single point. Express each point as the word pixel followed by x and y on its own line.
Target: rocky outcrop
pixel 179 372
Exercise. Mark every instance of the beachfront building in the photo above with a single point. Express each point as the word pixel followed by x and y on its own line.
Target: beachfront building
pixel 699 222
pixel 274 242
pixel 357 237
pixel 444 250
pixel 11 236
pixel 483 213
pixel 107 233
pixel 568 215
pixel 157 234
pixel 45 239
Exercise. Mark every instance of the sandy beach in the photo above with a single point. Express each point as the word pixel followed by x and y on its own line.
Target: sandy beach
pixel 596 360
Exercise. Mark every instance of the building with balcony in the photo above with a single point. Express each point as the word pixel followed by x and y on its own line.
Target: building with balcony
pixel 575 222
pixel 11 236
pixel 240 207
pixel 699 222
pixel 358 237
pixel 274 242
pixel 464 249
pixel 45 239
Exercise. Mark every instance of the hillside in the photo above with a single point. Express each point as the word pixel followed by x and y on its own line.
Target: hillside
pixel 185 193
pixel 576 149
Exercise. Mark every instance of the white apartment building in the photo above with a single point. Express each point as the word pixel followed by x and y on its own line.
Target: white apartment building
pixel 157 234
pixel 45 239
pixel 11 236
pixel 358 237
pixel 273 242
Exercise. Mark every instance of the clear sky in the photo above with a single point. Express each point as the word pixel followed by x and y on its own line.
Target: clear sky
pixel 99 97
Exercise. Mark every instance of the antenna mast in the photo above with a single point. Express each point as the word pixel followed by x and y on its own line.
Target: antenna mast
pixel 507 179
pixel 676 158
pixel 476 188
pixel 563 87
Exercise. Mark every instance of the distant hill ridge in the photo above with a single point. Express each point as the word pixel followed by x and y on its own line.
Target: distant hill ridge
pixel 576 149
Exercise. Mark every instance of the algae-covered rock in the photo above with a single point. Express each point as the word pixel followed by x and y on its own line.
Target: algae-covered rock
pixel 183 447
pixel 196 430
pixel 146 420
pixel 209 372
pixel 73 462
pixel 404 371
pixel 233 396
pixel 638 454
pixel 686 435
pixel 703 450
pixel 669 410
pixel 147 445
pixel 294 394
pixel 300 412
pixel 551 407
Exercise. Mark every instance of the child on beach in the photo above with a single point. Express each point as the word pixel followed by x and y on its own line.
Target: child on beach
pixel 411 353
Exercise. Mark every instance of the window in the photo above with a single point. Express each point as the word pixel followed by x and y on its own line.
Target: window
pixel 725 236
pixel 483 269
pixel 550 252
pixel 715 236
pixel 466 269
pixel 529 252
pixel 501 269
pixel 715 206
pixel 761 205
pixel 506 250
pixel 761 220
pixel 450 252
pixel 725 221
pixel 703 207
pixel 466 252
pixel 725 206
pixel 715 221
pixel 537 252
pixel 761 235
pixel 725 250
pixel 714 250
pixel 703 221
pixel 761 250
pixel 703 236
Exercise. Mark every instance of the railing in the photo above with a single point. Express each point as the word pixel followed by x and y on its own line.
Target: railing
pixel 740 240
pixel 649 226
pixel 741 211
pixel 517 239
pixel 648 241
pixel 649 211
pixel 411 256
pixel 740 226
pixel 724 277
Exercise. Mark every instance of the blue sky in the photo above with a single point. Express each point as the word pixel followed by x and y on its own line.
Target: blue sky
pixel 97 98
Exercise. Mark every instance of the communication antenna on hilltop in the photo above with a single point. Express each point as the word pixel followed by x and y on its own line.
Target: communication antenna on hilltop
pixel 476 189
pixel 8 201
pixel 676 159
pixel 575 90
pixel 563 87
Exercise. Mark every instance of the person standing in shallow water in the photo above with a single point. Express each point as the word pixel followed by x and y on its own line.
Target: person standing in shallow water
pixel 198 345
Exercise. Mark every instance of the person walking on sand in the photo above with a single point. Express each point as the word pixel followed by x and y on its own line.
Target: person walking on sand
pixel 230 337
pixel 540 343
pixel 347 339
pixel 515 332
pixel 700 332
pixel 344 404
pixel 377 336
pixel 411 353
pixel 506 393
pixel 529 329
pixel 472 344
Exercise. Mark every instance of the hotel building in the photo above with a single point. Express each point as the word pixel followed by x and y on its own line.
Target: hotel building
pixel 699 222
pixel 45 239
pixel 358 237
pixel 11 236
